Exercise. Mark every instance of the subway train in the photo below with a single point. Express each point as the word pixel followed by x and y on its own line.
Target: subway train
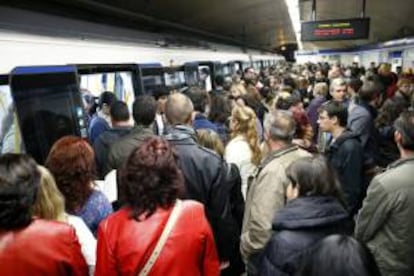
pixel 43 79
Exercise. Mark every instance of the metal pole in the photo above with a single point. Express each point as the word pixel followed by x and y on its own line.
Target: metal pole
pixel 314 10
pixel 364 3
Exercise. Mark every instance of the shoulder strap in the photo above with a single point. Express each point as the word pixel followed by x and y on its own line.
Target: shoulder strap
pixel 163 238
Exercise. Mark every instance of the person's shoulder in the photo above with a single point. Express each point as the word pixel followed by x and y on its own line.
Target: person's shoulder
pixel 50 228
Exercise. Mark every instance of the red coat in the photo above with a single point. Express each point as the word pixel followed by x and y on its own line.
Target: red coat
pixel 125 244
pixel 42 248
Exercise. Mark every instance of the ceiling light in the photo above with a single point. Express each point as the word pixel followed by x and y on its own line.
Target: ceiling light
pixel 293 9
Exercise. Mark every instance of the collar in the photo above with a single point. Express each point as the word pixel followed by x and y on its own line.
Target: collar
pixel 182 132
pixel 400 162
pixel 277 153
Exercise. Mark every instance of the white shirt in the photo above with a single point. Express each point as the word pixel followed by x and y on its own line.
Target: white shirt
pixel 239 153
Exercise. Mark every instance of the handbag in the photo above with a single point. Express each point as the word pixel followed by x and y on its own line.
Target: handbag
pixel 163 238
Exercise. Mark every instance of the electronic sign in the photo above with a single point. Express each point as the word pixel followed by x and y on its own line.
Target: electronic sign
pixel 341 29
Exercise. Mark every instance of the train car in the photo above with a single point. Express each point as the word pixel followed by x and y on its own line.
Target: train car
pixel 46 85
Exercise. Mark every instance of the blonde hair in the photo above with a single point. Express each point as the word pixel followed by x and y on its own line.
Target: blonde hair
pixel 246 121
pixel 211 140
pixel 50 203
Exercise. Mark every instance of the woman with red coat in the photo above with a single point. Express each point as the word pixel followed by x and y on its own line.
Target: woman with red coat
pixel 150 184
pixel 31 246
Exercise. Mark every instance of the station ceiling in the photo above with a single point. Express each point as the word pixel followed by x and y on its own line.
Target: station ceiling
pixel 262 24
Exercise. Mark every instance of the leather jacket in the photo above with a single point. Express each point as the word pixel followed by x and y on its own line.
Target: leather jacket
pixel 41 248
pixel 207 181
pixel 125 244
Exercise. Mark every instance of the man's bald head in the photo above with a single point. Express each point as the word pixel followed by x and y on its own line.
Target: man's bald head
pixel 178 109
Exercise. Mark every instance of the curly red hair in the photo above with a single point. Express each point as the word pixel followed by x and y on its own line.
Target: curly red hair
pixel 151 178
pixel 72 162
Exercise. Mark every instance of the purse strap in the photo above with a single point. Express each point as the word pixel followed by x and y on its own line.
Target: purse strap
pixel 163 238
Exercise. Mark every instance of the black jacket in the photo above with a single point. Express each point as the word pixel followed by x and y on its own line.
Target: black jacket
pixel 207 181
pixel 345 155
pixel 103 143
pixel 299 225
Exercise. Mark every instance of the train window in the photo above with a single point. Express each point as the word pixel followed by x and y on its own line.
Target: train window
pixel 10 136
pixel 174 79
pixel 120 83
pixel 205 77
pixel 49 106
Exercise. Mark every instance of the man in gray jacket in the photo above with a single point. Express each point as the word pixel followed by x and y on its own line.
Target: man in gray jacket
pixel 266 192
pixel 386 220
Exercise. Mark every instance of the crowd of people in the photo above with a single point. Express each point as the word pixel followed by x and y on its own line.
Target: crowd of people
pixel 293 170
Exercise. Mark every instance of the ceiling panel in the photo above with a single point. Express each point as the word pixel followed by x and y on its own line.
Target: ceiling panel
pixel 258 23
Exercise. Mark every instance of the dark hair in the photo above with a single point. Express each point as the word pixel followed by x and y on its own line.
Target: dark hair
pixel 336 109
pixel 151 178
pixel 19 182
pixel 144 110
pixel 219 80
pixel 355 84
pixel 198 97
pixel 405 126
pixel 369 91
pixel 107 98
pixel 338 255
pixel 314 176
pixel 160 92
pixel 220 109
pixel 72 162
pixel 119 111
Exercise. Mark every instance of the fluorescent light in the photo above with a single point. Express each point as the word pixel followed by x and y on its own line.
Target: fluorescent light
pixel 293 9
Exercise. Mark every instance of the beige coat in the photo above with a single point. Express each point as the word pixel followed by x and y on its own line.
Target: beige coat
pixel 265 196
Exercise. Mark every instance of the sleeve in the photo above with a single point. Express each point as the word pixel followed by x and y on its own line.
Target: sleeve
pixel 100 157
pixel 110 163
pixel 78 264
pixel 102 208
pixel 218 209
pixel 351 174
pixel 268 197
pixel 374 211
pixel 105 208
pixel 211 263
pixel 105 260
pixel 361 127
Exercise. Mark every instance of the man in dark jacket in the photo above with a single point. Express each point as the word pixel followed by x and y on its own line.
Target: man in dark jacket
pixel 361 115
pixel 120 127
pixel 143 112
pixel 344 152
pixel 204 171
pixel 199 98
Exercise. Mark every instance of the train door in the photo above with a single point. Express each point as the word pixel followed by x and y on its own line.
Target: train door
pixel 10 136
pixel 48 104
pixel 119 79
pixel 191 74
